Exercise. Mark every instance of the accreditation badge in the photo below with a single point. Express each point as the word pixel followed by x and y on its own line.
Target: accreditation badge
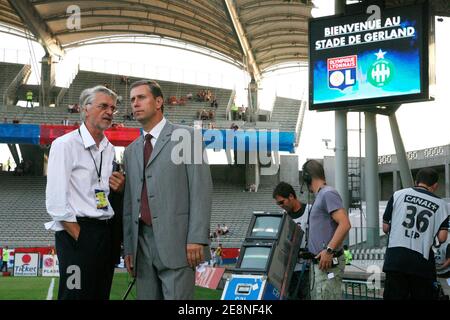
pixel 101 200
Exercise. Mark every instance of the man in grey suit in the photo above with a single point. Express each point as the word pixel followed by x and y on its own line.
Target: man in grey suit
pixel 167 204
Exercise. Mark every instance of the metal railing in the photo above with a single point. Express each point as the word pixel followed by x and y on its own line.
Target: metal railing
pixel 360 290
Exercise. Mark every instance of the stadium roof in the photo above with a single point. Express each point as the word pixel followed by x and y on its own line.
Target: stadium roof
pixel 256 34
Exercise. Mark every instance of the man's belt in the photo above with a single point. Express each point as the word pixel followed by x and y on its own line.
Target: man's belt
pixel 94 220
pixel 337 254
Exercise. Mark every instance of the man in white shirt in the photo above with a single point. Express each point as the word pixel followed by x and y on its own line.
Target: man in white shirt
pixel 79 178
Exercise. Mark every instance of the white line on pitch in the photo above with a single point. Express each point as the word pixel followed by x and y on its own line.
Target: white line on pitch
pixel 50 290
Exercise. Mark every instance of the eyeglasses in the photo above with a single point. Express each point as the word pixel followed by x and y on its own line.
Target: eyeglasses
pixel 105 107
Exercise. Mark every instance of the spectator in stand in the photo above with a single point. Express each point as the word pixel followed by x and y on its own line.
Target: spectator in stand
pixel 189 96
pixel 172 101
pixel 15 120
pixel 204 115
pixel 212 262
pixel 5 120
pixel 74 108
pixel 211 114
pixel 214 104
pixel 65 121
pixel 219 230
pixel 234 111
pixel 208 96
pixel 241 113
pixel 29 98
pixel 124 80
pixel 219 254
pixel 225 229
pixel 200 96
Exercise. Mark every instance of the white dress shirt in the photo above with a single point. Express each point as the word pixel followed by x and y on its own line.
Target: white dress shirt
pixel 72 178
pixel 155 132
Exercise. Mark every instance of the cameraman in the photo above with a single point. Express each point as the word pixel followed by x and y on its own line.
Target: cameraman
pixel 328 225
pixel 286 198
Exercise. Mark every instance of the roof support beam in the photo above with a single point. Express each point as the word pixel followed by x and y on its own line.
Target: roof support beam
pixel 37 26
pixel 251 61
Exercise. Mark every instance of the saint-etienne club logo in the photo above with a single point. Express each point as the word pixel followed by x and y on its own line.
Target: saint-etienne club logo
pixel 381 71
pixel 342 72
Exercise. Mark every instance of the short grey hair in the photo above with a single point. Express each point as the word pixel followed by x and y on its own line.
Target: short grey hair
pixel 88 95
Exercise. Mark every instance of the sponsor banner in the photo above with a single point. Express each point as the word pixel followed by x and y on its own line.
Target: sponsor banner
pixel 50 265
pixel 208 277
pixel 26 264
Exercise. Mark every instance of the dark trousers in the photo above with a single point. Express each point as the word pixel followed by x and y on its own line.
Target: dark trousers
pixel 401 286
pixel 85 266
pixel 299 286
pixel 5 266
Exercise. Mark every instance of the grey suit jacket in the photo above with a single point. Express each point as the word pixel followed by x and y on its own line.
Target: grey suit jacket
pixel 179 198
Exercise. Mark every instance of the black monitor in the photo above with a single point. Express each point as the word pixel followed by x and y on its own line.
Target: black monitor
pixel 265 225
pixel 255 257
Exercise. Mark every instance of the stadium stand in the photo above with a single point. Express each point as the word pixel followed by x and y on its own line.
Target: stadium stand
pixel 234 207
pixel 13 75
pixel 285 112
pixel 23 212
pixel 182 114
pixel 177 114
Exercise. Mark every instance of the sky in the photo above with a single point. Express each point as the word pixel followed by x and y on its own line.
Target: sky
pixel 422 125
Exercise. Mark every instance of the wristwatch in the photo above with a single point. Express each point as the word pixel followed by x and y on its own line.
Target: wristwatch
pixel 330 250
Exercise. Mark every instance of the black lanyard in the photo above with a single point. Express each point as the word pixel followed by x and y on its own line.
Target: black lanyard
pixel 99 172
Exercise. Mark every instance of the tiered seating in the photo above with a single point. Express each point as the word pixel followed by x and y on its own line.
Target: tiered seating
pixel 234 207
pixel 178 114
pixel 22 211
pixel 40 115
pixel 285 112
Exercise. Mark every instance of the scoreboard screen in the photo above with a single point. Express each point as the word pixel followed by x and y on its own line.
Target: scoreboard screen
pixel 366 60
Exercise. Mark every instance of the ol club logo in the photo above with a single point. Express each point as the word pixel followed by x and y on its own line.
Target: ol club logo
pixel 342 72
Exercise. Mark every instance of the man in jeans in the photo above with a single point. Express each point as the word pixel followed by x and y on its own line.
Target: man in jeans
pixel 328 227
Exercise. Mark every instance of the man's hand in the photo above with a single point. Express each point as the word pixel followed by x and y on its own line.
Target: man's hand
pixel 72 228
pixel 117 181
pixel 130 265
pixel 194 253
pixel 325 260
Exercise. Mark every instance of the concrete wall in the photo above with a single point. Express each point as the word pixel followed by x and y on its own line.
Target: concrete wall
pixel 289 169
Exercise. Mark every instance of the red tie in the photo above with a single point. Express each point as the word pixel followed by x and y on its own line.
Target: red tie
pixel 146 216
